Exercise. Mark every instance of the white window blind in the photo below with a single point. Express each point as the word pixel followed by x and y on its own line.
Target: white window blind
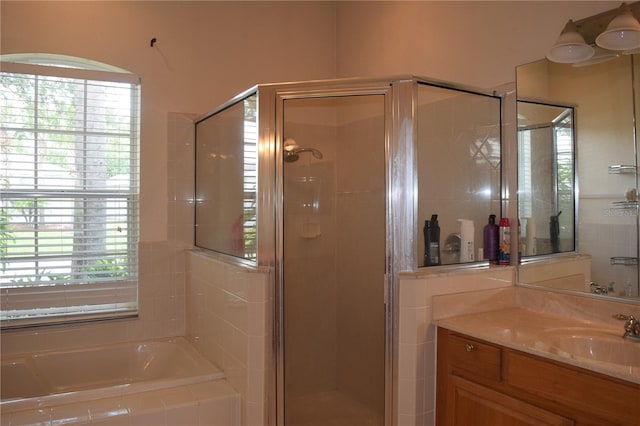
pixel 250 177
pixel 69 194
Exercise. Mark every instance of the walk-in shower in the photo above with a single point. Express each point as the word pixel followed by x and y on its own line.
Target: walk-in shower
pixel 327 188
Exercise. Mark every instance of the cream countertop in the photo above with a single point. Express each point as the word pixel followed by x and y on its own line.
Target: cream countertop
pixel 532 332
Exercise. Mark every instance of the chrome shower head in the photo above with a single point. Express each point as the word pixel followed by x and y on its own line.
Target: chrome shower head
pixel 291 155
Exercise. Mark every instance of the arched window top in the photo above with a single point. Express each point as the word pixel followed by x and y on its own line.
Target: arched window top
pixel 69 190
pixel 64 66
pixel 64 61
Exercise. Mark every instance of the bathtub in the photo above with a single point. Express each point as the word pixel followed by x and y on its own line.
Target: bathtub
pixel 53 379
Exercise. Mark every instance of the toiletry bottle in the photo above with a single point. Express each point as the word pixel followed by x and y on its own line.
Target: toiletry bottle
pixel 554 232
pixel 467 249
pixel 490 239
pixel 531 240
pixel 504 250
pixel 432 241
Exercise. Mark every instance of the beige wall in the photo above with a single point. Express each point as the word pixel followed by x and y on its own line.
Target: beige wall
pixel 206 52
pixel 474 42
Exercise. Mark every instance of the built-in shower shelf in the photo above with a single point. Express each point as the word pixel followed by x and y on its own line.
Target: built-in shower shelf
pixel 624 205
pixel 623 260
pixel 622 169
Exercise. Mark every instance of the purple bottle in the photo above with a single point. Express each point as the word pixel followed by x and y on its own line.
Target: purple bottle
pixel 490 240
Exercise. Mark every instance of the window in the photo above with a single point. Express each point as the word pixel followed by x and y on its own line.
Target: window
pixel 69 193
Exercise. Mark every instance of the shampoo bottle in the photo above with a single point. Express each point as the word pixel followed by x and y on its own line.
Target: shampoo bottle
pixel 467 248
pixel 504 250
pixel 491 235
pixel 432 241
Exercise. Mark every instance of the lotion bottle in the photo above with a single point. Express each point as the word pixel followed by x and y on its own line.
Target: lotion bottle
pixel 467 248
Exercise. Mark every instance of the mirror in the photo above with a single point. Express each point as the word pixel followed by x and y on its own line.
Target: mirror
pixel 546 177
pixel 580 115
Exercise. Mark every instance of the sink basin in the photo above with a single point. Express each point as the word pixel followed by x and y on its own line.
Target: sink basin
pixel 596 345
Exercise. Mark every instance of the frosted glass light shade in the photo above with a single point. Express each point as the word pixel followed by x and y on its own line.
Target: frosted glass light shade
pixel 622 33
pixel 570 46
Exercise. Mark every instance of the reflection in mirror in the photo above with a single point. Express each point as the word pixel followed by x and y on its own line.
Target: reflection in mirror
pixel 605 260
pixel 546 178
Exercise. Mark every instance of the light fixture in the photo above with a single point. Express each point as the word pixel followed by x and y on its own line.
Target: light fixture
pixel 601 55
pixel 622 33
pixel 570 46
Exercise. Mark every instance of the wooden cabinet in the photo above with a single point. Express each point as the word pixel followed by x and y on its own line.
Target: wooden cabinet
pixel 479 383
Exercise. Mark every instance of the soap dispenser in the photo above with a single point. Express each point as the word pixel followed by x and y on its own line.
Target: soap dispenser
pixel 467 248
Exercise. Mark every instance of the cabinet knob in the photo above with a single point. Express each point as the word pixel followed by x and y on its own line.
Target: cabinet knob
pixel 469 347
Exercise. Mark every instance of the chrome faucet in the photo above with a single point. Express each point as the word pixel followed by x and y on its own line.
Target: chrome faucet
pixel 598 289
pixel 631 327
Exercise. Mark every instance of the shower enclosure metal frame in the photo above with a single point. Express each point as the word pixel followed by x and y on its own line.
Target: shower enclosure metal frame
pixel 401 106
pixel 271 103
pixel 400 95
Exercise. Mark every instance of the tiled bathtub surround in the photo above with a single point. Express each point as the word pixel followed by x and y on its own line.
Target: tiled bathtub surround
pixel 213 403
pixel 416 350
pixel 160 313
pixel 227 322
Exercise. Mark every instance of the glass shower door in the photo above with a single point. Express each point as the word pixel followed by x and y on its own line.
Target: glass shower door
pixel 333 261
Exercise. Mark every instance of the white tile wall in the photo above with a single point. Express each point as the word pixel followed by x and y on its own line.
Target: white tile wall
pixel 417 342
pixel 226 321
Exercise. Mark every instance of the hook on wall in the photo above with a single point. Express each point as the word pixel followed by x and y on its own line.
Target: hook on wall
pixel 153 42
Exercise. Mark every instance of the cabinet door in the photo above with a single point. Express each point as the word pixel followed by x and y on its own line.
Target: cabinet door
pixel 473 404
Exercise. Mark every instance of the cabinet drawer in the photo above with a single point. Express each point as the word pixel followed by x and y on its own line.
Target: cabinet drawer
pixel 573 388
pixel 473 358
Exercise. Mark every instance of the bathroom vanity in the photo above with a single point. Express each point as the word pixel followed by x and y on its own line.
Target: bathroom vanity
pixel 522 374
